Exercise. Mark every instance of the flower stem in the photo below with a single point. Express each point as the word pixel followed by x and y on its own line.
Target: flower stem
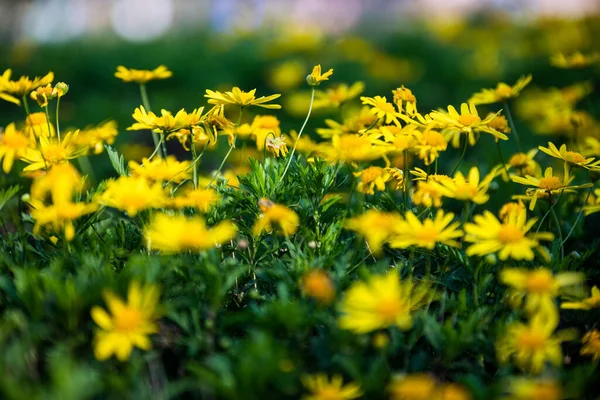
pixel 56 116
pixel 405 183
pixel 26 105
pixel 578 217
pixel 228 152
pixel 48 122
pixel 462 156
pixel 502 158
pixel 312 99
pixel 146 104
pixel 512 125
pixel 156 148
pixel 560 236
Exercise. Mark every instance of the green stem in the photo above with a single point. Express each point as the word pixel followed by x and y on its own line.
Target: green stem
pixel 462 156
pixel 228 152
pixel 312 99
pixel 86 166
pixel 502 158
pixel 146 104
pixel 578 217
pixel 405 179
pixel 56 116
pixel 512 125
pixel 26 105
pixel 560 236
pixel 156 148
pixel 48 122
pixel 195 173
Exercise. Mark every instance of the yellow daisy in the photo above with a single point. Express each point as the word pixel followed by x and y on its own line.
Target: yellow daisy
pixel 522 388
pixel 469 189
pixel 241 98
pixel 23 86
pixel 468 122
pixel 382 109
pixel 501 93
pixel 426 234
pixel 375 226
pixel 162 169
pixel 133 194
pixel 591 344
pixel 571 157
pixel 322 388
pixel 316 77
pixel 275 215
pixel 13 145
pixel 575 60
pixel 586 304
pixel 142 76
pixel 51 151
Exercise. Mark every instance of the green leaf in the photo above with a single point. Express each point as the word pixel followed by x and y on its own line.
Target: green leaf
pixel 7 194
pixel 117 161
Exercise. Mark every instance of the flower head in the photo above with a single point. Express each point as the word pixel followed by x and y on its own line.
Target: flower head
pixel 424 387
pixel 510 238
pixel 241 98
pixel 23 86
pixel 94 137
pixel 571 157
pixel 43 94
pixel 36 125
pixel 337 95
pixel 316 77
pixel 575 60
pixel 468 121
pixel 322 388
pixel 142 76
pixel 522 388
pixel 426 234
pixel 375 226
pixel 381 302
pixel 586 304
pixel 173 234
pixel 591 344
pixel 275 215
pixel 468 188
pixel 133 194
pixel 126 324
pixel 501 93
pixel 161 169
pixel 51 151
pixel 277 146
pixel 13 145
pixel 382 109
pixel 318 285
pixel 200 199
pixel 166 123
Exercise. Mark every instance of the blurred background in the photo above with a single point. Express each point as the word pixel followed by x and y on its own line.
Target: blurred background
pixel 442 50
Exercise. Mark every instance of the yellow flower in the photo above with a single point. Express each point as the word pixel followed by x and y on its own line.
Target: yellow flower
pixel 570 157
pixel 275 214
pixel 277 146
pixel 59 215
pixel 426 234
pixel 133 194
pixel 533 389
pixel 142 76
pixel 13 145
pixel 547 186
pixel 509 208
pixel 200 199
pixel 23 86
pixel 509 238
pixel 338 95
pixel 349 148
pixel 43 94
pixel 162 169
pixel 539 286
pixel 500 123
pixel 37 125
pixel 533 344
pixel 470 189
pixel 468 121
pixel 318 285
pixel 3 87
pixel 586 304
pixel 501 93
pixel 593 205
pixel 591 344
pixel 94 137
pixel 127 324
pixel 166 123
pixel 60 183
pixel 241 98
pixel 427 194
pixel 287 75
pixel 321 388
pixel 405 100
pixel 522 163
pixel 382 109
pixel 173 234
pixel 575 60
pixel 375 226
pixel 316 77
pixel 382 302
pixel 424 387
pixel 429 145
pixel 371 178
pixel 50 151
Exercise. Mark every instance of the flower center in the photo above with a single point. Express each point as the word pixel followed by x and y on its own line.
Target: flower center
pixel 15 141
pixel 503 90
pixel 519 160
pixel 540 282
pixel 427 234
pixel 434 139
pixel 389 309
pixel 54 154
pixel 468 119
pixel 370 174
pixel 531 340
pixel 550 183
pixel 574 157
pixel 329 393
pixel 510 234
pixel 128 320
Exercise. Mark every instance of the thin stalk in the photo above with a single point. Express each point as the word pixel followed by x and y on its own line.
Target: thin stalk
pixel 146 104
pixel 56 116
pixel 512 125
pixel 228 152
pixel 156 148
pixel 405 179
pixel 462 156
pixel 26 105
pixel 502 158
pixel 578 217
pixel 48 122
pixel 195 173
pixel 312 99
pixel 560 236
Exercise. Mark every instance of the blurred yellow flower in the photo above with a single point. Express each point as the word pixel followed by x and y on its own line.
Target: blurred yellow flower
pixel 271 215
pixel 133 194
pixel 351 148
pixel 59 215
pixel 126 324
pixel 586 304
pixel 382 109
pixel 37 125
pixel 571 157
pixel 509 238
pixel 94 137
pixel 405 101
pixel 532 345
pixel 13 145
pixel 162 169
pixel 575 60
pixel 591 344
pixel 23 86
pixel 241 98
pixel 522 164
pixel 426 234
pixel 428 145
pixel 539 287
pixel 423 387
pixel 200 199
pixel 469 189
pixel 509 208
pixel 501 93
pixel 316 77
pixel 337 95
pixel 287 75
pixel 51 151
pixel 60 184
pixel 142 76
pixel 322 388
pixel 372 177
pixel 174 234
pixel 166 123
pixel 375 226
pixel 381 302
pixel 318 285
pixel 427 194
pixel 522 388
